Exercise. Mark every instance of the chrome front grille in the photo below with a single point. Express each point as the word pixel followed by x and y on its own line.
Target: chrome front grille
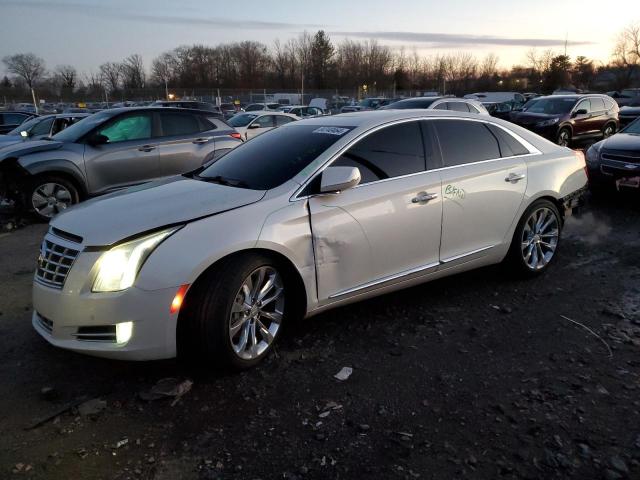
pixel 629 157
pixel 54 263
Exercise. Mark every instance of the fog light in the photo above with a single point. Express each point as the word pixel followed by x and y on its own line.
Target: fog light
pixel 124 331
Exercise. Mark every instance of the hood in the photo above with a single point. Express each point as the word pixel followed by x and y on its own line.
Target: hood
pixel 112 218
pixel 6 140
pixel 529 118
pixel 623 141
pixel 630 110
pixel 24 148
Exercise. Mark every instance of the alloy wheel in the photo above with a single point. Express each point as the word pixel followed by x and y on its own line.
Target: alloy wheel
pixel 540 238
pixel 50 199
pixel 608 131
pixel 256 314
pixel 563 138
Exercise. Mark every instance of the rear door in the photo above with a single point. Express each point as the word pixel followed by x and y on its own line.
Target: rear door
pixel 386 229
pixel 130 156
pixel 482 187
pixel 598 115
pixel 184 141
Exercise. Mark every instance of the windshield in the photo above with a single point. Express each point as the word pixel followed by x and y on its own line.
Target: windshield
pixel 241 120
pixel 272 158
pixel 84 126
pixel 553 106
pixel 27 126
pixel 529 104
pixel 633 128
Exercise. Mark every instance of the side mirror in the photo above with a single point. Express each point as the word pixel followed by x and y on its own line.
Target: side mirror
pixel 98 139
pixel 336 179
pixel 24 134
pixel 254 125
pixel 582 111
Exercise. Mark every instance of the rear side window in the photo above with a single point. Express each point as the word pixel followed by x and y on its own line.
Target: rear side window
pixel 597 105
pixel 390 152
pixel 282 120
pixel 174 123
pixel 458 106
pixel 265 121
pixel 509 146
pixel 609 104
pixel 464 141
pixel 441 106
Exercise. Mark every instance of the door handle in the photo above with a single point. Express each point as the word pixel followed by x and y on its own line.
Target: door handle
pixel 200 141
pixel 147 148
pixel 424 197
pixel 515 177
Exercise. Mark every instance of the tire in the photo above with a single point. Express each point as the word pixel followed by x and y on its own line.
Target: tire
pixel 564 137
pixel 608 130
pixel 524 257
pixel 48 195
pixel 217 303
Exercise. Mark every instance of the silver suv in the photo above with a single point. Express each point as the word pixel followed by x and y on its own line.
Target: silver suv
pixel 110 150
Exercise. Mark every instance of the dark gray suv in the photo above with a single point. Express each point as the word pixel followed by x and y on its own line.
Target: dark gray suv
pixel 110 150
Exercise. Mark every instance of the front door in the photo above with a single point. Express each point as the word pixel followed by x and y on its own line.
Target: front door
pixel 262 124
pixel 130 156
pixel 387 228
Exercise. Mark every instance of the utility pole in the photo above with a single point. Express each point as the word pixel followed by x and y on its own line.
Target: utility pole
pixel 302 89
pixel 166 90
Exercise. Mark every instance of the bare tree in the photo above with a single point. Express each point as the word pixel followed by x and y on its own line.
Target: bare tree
pixel 66 78
pixel 111 73
pixel 133 74
pixel 29 67
pixel 626 53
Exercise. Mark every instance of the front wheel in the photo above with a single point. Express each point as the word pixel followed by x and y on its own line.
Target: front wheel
pixel 49 195
pixel 564 137
pixel 536 239
pixel 235 314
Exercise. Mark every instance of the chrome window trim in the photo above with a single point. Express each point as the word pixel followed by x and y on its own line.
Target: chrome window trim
pixel 532 152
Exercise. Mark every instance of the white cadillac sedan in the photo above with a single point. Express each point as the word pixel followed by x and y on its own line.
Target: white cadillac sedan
pixel 309 216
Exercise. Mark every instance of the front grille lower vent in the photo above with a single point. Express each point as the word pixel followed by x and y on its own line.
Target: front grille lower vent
pixel 45 323
pixel 100 333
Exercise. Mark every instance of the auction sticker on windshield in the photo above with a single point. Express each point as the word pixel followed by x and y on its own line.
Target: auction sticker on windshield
pixel 332 130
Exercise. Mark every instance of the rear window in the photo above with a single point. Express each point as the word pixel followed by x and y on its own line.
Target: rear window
pixel 509 146
pixel 458 106
pixel 463 141
pixel 270 159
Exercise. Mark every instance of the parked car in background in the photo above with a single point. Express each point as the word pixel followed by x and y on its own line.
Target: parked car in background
pixel 625 96
pixel 497 97
pixel 501 109
pixel 301 111
pixel 110 150
pixel 259 107
pixel 10 120
pixel 366 104
pixel 228 110
pixel 615 161
pixel 321 104
pixel 565 118
pixel 38 128
pixel 319 213
pixel 252 124
pixel 629 112
pixel 25 107
pixel 204 106
pixel 77 110
pixel 439 103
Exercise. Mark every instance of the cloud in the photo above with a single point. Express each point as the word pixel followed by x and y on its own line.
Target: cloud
pixel 445 40
pixel 102 11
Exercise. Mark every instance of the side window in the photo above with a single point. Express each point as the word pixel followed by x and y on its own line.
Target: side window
pixel 441 106
pixel 390 152
pixel 282 120
pixel 509 146
pixel 178 124
pixel 14 118
pixel 43 128
pixel 472 108
pixel 62 123
pixel 609 104
pixel 458 106
pixel 265 121
pixel 597 105
pixel 131 127
pixel 464 141
pixel 584 105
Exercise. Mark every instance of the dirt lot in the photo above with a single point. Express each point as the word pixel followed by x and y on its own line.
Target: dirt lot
pixel 474 376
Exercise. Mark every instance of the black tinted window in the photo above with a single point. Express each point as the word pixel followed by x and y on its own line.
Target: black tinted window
pixel 465 141
pixel 14 118
pixel 282 120
pixel 509 146
pixel 178 124
pixel 597 105
pixel 274 157
pixel 387 153
pixel 458 106
pixel 43 128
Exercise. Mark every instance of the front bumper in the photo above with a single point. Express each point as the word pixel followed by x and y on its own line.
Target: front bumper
pixel 606 172
pixel 62 314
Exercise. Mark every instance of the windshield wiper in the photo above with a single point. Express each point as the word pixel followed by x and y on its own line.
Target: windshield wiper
pixel 230 182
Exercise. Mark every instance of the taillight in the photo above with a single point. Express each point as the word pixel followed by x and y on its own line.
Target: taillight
pixel 236 135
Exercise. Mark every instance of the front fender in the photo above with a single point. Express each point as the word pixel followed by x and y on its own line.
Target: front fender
pixel 36 167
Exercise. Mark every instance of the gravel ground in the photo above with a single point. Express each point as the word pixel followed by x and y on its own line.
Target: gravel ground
pixel 473 376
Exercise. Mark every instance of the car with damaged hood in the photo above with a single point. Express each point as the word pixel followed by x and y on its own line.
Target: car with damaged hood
pixel 110 150
pixel 312 215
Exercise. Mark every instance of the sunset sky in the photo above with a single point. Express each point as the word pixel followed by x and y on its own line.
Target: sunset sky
pixel 86 33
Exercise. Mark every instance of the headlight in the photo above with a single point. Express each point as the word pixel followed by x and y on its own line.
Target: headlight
pixel 593 153
pixel 118 267
pixel 547 123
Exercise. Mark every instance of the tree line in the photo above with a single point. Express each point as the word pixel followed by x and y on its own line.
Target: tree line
pixel 314 62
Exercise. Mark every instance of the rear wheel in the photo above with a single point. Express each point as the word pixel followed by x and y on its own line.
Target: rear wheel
pixel 235 314
pixel 608 130
pixel 536 239
pixel 49 195
pixel 564 137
